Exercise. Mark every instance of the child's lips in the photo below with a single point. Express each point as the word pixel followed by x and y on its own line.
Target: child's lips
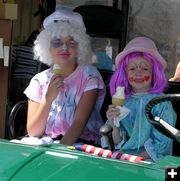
pixel 138 80
pixel 65 54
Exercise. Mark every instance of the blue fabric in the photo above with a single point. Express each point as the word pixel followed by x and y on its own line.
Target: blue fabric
pixel 103 61
pixel 139 135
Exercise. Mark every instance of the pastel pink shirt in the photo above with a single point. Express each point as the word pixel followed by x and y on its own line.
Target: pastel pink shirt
pixel 60 118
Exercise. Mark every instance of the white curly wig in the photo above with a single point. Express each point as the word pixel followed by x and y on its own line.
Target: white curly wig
pixel 62 24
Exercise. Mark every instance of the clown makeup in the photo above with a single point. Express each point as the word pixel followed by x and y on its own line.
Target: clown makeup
pixel 58 43
pixel 64 50
pixel 139 72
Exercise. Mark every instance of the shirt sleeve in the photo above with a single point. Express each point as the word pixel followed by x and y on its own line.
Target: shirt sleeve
pixel 34 90
pixel 159 145
pixel 93 79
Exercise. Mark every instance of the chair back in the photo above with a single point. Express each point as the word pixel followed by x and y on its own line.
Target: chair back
pixel 106 21
pixel 16 124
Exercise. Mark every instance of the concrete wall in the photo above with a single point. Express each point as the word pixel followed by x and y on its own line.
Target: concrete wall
pixel 157 19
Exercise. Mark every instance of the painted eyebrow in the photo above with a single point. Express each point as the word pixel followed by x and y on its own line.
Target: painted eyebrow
pixel 141 64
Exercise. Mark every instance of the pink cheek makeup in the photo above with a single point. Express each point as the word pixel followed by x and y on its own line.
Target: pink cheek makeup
pixel 131 79
pixel 145 78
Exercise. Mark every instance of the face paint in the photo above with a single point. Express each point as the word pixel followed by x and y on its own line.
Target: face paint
pixel 131 79
pixel 66 45
pixel 146 77
pixel 56 43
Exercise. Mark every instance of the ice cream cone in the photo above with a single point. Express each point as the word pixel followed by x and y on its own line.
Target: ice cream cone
pixel 117 101
pixel 56 69
pixel 118 98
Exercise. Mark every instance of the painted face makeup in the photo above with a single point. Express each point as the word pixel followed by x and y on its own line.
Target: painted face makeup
pixel 139 72
pixel 143 79
pixel 57 43
pixel 63 50
pixel 146 78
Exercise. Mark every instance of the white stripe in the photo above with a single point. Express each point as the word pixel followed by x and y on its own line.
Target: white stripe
pixel 123 156
pixel 132 158
pixel 88 148
pixel 97 150
pixel 105 153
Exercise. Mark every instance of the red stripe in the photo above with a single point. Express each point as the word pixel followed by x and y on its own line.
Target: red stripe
pixel 109 155
pixel 101 152
pixel 84 147
pixel 119 155
pixel 138 159
pixel 93 149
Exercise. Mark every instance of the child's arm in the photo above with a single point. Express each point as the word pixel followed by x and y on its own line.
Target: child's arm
pixel 115 134
pixel 37 117
pixel 38 112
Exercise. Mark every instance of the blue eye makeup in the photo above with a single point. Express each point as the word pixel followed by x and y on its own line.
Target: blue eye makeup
pixel 56 43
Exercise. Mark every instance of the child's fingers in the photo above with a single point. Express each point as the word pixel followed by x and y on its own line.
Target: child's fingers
pixel 112 112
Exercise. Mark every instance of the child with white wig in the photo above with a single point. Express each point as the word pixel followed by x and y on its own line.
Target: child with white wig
pixel 65 106
pixel 62 23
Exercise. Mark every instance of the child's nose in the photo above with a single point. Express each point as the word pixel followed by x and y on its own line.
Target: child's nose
pixel 64 47
pixel 138 70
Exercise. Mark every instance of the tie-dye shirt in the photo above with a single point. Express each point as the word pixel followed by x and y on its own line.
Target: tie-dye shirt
pixel 61 115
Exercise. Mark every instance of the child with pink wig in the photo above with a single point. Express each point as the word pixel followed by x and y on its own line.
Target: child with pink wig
pixel 140 69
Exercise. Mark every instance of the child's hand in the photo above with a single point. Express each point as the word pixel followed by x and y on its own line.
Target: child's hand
pixel 112 112
pixel 57 81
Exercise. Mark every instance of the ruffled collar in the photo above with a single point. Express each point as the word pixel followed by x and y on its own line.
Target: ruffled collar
pixel 139 94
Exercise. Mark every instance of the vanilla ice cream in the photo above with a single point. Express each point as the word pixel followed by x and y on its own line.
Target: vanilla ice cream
pixel 56 69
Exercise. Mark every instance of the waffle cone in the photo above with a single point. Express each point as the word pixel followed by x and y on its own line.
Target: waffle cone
pixel 117 101
pixel 56 71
